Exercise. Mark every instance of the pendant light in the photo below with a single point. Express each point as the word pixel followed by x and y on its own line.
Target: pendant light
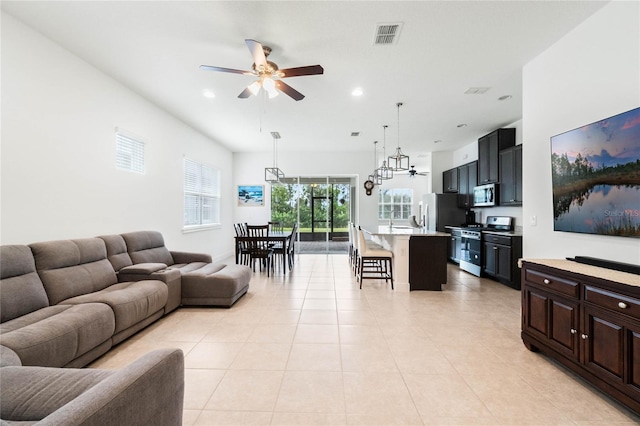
pixel 399 161
pixel 374 177
pixel 274 174
pixel 384 172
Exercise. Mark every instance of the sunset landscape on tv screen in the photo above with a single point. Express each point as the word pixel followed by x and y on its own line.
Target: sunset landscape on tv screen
pixel 596 177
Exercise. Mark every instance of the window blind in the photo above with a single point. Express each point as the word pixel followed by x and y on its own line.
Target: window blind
pixel 201 194
pixel 129 153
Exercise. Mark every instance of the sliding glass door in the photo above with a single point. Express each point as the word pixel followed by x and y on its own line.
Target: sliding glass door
pixel 322 207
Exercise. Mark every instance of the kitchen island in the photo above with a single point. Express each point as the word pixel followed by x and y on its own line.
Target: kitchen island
pixel 419 255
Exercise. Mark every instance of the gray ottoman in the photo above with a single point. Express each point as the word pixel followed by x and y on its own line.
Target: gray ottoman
pixel 214 284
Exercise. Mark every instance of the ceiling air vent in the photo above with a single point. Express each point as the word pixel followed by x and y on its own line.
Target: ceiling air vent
pixel 355 133
pixel 387 34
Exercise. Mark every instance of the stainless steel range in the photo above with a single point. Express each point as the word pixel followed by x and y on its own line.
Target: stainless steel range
pixel 471 244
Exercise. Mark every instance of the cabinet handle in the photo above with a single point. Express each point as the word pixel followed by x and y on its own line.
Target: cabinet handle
pixel 584 337
pixel 495 248
pixel 574 331
pixel 622 305
pixel 546 281
pixel 512 201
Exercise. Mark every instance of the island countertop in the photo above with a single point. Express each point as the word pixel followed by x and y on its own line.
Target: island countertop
pixel 385 230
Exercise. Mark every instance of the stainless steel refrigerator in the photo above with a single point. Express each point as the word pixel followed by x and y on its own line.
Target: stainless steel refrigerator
pixel 440 210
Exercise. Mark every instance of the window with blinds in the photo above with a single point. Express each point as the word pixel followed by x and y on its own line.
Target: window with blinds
pixel 129 153
pixel 201 194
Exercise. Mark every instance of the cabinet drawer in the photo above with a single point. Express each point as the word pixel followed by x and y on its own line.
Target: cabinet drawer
pixel 552 282
pixel 614 301
pixel 497 239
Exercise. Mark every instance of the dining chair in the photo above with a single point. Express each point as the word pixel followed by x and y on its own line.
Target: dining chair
pixel 243 246
pixel 259 249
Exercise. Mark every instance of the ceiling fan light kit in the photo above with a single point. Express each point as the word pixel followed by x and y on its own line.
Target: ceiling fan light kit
pixel 268 73
pixel 398 161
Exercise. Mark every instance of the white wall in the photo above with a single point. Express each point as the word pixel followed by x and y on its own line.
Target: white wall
pixel 590 74
pixel 58 177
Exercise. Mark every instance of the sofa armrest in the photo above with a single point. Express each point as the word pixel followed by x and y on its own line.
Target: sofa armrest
pixel 150 391
pixel 186 257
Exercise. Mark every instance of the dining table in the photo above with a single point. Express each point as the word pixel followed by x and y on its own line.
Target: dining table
pixel 283 237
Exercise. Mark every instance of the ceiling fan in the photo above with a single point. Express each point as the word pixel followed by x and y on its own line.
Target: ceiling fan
pixel 413 172
pixel 268 73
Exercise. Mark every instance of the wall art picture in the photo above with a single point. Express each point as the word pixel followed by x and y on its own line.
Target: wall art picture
pixel 250 195
pixel 596 177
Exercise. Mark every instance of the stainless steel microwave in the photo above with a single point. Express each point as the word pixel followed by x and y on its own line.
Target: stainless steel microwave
pixel 485 195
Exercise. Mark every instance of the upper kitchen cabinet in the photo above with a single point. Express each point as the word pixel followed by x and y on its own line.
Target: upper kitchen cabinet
pixel 467 179
pixel 450 180
pixel 489 148
pixel 511 176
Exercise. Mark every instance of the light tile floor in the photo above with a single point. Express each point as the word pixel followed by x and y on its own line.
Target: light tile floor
pixel 311 348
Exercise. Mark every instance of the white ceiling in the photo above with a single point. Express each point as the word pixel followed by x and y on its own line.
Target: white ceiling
pixel 445 47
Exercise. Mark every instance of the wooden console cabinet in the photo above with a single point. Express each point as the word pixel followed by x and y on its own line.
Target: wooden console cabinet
pixel 588 319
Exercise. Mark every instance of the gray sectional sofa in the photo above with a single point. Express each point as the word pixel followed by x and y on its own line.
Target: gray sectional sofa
pixel 66 303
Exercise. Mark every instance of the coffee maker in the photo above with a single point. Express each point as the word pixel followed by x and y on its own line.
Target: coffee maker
pixel 470 217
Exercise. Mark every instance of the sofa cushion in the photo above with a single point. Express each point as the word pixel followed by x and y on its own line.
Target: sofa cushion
pixel 116 251
pixel 131 301
pixel 71 268
pixel 56 335
pixel 21 290
pixel 147 247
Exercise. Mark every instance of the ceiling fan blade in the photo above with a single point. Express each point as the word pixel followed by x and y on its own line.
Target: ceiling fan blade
pixel 245 93
pixel 299 71
pixel 288 90
pixel 257 52
pixel 231 70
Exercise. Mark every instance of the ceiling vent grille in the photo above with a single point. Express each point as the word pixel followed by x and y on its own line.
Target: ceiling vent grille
pixel 355 134
pixel 387 34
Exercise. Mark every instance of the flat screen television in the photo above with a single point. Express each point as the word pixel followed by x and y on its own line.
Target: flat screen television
pixel 595 172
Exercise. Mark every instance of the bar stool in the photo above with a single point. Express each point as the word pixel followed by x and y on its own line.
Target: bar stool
pixel 375 262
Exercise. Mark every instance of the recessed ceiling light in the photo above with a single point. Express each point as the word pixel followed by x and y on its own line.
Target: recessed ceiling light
pixel 208 94
pixel 476 90
pixel 461 125
pixel 357 91
pixel 505 98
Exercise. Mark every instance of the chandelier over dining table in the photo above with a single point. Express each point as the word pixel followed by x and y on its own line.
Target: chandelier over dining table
pixel 398 161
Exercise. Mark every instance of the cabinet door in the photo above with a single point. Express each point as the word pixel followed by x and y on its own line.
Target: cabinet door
pixel 493 172
pixel 552 319
pixel 511 176
pixel 517 153
pixel 473 181
pixel 503 262
pixel 603 345
pixel 507 183
pixel 463 186
pixel 489 259
pixel 483 160
pixel 633 336
pixel 450 180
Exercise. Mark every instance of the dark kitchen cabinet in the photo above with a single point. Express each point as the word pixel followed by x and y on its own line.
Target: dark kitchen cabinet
pixel 511 176
pixel 467 179
pixel 588 323
pixel 500 258
pixel 450 180
pixel 489 148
